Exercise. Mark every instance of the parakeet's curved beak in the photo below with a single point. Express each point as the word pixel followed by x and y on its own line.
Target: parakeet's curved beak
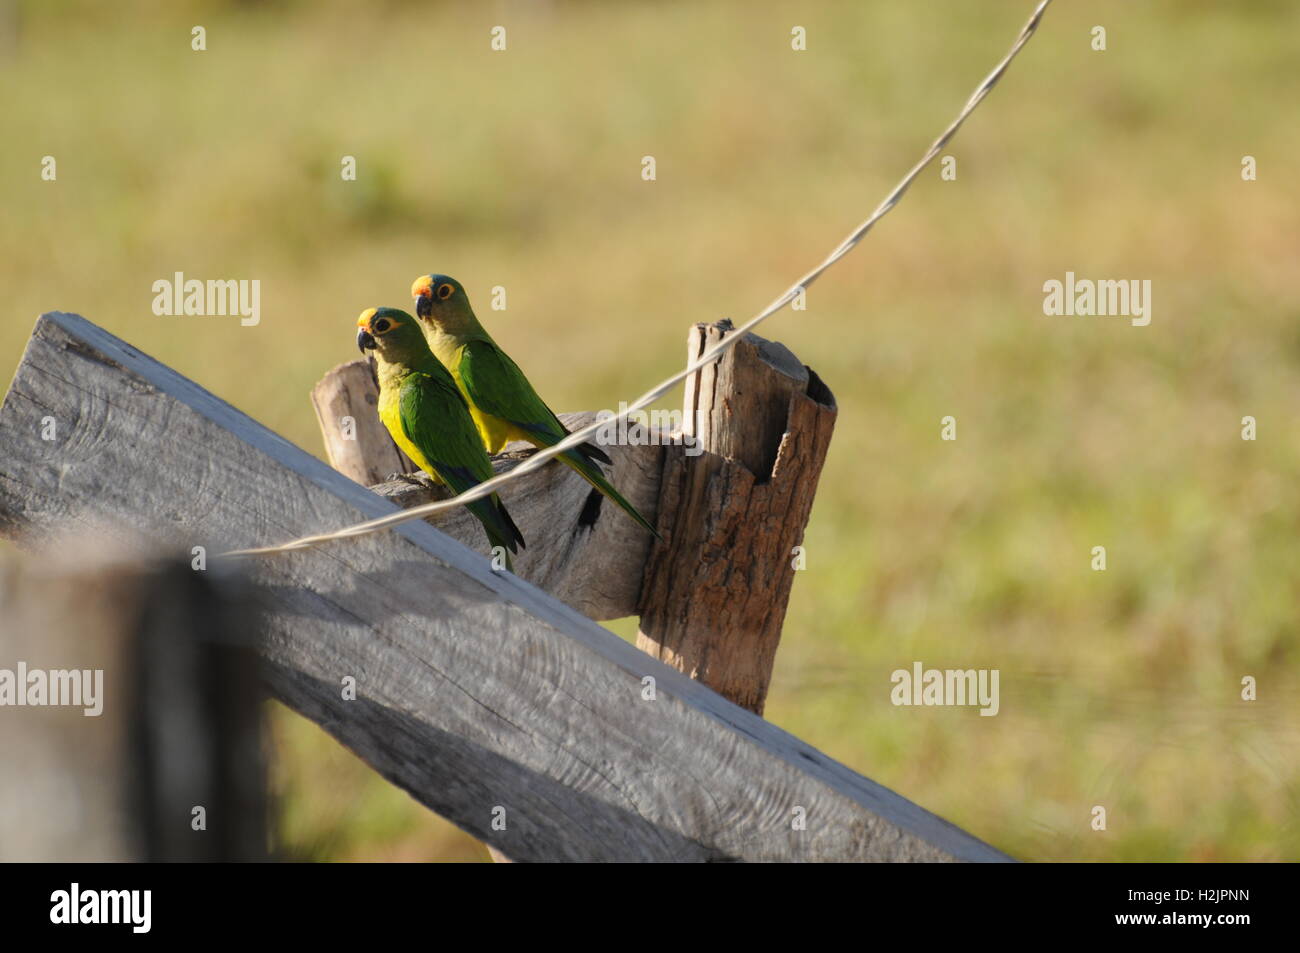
pixel 365 341
pixel 422 292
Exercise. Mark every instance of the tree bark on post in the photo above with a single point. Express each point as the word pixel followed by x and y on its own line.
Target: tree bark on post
pixel 714 595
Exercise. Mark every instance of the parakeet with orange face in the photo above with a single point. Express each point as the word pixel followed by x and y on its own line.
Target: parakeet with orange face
pixel 426 415
pixel 502 402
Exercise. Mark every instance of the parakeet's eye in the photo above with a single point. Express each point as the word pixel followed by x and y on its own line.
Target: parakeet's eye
pixel 380 326
pixel 445 292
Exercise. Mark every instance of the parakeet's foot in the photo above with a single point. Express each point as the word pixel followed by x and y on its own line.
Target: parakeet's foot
pixel 419 478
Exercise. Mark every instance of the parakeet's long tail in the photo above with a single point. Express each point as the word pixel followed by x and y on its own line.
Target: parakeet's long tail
pixel 500 528
pixel 593 452
pixel 592 473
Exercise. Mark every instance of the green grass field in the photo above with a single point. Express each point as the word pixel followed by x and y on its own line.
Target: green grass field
pixel 1119 688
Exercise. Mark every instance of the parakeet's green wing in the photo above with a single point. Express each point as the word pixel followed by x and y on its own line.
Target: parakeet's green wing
pixel 498 387
pixel 435 418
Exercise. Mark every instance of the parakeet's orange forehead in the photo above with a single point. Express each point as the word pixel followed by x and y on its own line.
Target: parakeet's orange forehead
pixel 421 286
pixel 366 315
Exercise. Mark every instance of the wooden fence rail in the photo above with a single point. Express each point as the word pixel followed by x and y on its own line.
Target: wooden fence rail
pixel 490 701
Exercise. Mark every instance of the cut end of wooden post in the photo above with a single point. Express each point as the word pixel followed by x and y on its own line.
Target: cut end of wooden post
pixel 356 443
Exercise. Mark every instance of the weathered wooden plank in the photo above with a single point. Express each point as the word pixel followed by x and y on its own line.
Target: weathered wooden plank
pixel 475 690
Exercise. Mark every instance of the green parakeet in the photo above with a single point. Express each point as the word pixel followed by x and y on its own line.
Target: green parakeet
pixel 502 402
pixel 428 418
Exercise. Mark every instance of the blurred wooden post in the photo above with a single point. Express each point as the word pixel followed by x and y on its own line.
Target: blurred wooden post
pixel 715 594
pixel 175 724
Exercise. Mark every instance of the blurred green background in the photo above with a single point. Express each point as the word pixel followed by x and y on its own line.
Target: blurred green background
pixel 1119 688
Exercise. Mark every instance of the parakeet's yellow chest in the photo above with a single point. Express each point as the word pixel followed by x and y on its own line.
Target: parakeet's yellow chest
pixel 496 433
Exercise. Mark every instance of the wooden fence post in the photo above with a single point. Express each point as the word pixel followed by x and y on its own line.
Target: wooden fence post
pixel 146 742
pixel 715 594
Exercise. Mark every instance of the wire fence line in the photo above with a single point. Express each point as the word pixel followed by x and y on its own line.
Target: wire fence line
pixel 542 457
